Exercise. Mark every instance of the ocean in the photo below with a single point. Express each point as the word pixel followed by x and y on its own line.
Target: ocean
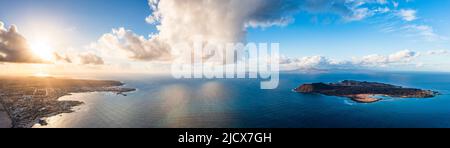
pixel 163 102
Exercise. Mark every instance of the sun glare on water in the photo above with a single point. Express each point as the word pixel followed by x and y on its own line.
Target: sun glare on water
pixel 42 75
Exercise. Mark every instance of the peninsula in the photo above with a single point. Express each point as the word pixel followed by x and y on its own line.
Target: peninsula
pixel 26 100
pixel 364 92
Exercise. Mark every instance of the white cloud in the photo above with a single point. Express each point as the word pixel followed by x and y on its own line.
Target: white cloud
pixel 402 21
pixel 438 52
pixel 382 1
pixel 377 60
pixel 373 60
pixel 219 21
pixel 424 31
pixel 64 58
pixel 395 4
pixel 404 57
pixel 181 21
pixel 14 47
pixel 359 14
pixel 134 46
pixel 350 10
pixel 382 10
pixel 408 14
pixel 313 63
pixel 90 59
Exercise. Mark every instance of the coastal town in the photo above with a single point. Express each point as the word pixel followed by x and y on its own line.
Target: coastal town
pixel 25 101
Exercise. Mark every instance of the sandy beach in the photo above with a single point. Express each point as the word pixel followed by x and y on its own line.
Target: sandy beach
pixel 364 98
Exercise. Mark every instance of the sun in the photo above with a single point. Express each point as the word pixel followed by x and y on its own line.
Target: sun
pixel 42 49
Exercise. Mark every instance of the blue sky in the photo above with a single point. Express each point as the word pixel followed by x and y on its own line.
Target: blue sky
pixel 337 38
pixel 311 33
pixel 91 18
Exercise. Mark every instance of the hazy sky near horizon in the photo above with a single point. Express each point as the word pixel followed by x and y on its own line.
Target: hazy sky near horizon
pixel 313 34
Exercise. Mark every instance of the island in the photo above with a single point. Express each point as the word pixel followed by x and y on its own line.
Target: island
pixel 28 100
pixel 364 92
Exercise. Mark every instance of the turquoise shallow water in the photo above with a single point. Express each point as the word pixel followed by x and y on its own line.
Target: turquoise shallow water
pixel 164 102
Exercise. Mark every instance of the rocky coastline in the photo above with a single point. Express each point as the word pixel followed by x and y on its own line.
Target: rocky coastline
pixel 364 92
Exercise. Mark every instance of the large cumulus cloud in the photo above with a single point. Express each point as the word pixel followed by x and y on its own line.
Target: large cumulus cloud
pixel 14 47
pixel 222 21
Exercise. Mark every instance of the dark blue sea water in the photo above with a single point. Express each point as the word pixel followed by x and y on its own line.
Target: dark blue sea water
pixel 164 102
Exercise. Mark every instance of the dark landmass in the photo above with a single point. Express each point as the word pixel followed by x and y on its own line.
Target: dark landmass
pixel 5 121
pixel 28 100
pixel 364 92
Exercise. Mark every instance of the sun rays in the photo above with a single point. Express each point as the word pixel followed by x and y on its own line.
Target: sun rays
pixel 43 50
